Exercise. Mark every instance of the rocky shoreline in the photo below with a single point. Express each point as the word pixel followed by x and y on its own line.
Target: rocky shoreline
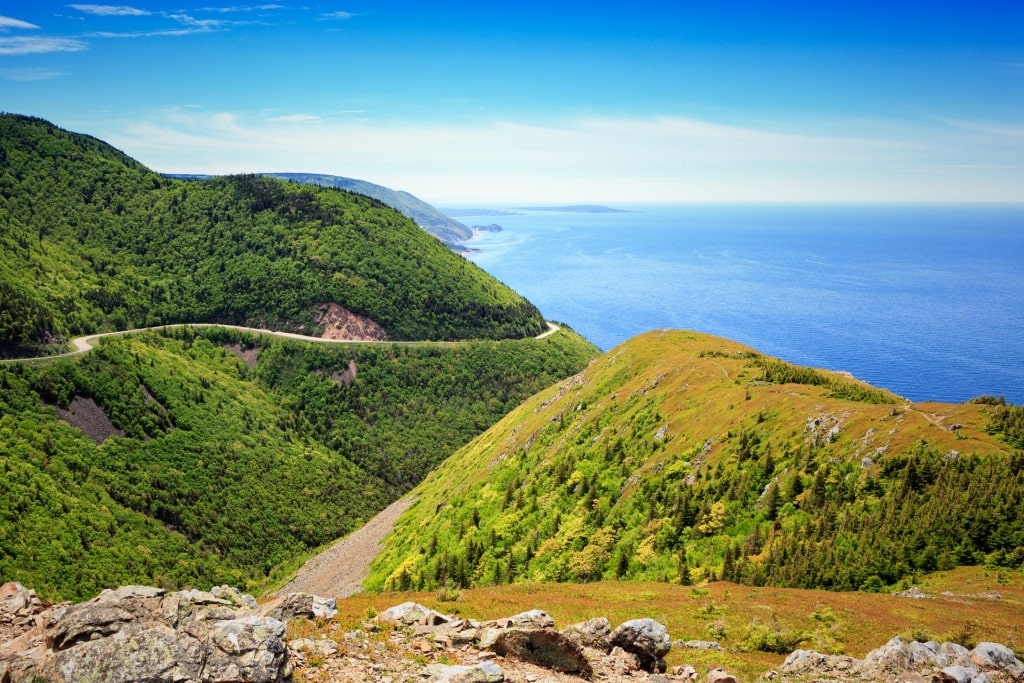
pixel 140 633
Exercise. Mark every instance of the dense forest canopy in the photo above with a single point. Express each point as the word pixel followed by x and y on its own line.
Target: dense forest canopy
pixel 224 469
pixel 90 240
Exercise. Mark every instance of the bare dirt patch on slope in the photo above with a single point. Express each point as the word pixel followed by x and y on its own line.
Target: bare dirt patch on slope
pixel 339 571
pixel 88 416
pixel 339 323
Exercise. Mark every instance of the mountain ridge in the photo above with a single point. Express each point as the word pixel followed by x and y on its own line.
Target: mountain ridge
pixel 683 457
pixel 94 241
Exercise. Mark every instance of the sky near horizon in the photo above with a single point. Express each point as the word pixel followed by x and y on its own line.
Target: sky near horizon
pixel 499 103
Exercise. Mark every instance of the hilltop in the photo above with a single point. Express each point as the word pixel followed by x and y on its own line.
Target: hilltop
pixel 682 457
pixel 433 220
pixel 93 241
pixel 444 228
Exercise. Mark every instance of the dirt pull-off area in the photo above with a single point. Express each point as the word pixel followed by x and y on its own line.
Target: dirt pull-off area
pixel 339 571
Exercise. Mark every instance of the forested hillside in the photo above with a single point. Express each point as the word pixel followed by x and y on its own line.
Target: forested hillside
pixel 682 457
pixel 90 241
pixel 235 453
pixel 446 229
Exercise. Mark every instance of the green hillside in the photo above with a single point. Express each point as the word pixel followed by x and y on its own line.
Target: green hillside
pixel 90 241
pixel 446 229
pixel 236 453
pixel 682 457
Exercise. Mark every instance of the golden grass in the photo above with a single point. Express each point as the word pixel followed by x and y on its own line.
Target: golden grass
pixel 848 623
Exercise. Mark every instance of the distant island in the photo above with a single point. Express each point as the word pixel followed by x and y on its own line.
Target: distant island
pixel 459 213
pixel 575 208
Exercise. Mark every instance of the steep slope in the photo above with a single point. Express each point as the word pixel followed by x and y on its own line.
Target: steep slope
pixel 90 240
pixel 446 229
pixel 237 454
pixel 681 457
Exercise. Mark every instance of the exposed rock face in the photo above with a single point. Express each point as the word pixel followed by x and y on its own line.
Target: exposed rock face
pixel 139 633
pixel 531 647
pixel 900 660
pixel 339 323
pixel 593 633
pixel 645 638
pixel 299 605
pixel 545 647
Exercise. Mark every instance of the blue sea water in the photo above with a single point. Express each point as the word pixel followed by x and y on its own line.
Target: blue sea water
pixel 927 301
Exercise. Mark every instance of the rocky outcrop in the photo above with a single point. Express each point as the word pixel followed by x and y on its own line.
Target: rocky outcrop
pixel 544 647
pixel 340 323
pixel 140 633
pixel 529 639
pixel 910 661
pixel 645 638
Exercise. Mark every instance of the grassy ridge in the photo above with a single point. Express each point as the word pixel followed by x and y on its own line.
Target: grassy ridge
pixel 92 241
pixel 681 457
pixel 226 471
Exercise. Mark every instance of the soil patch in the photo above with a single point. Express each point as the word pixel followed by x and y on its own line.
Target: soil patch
pixel 339 323
pixel 86 415
pixel 248 356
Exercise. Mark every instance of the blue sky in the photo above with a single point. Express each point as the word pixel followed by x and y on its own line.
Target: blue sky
pixel 494 102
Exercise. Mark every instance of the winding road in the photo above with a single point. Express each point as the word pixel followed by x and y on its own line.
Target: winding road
pixel 339 570
pixel 87 342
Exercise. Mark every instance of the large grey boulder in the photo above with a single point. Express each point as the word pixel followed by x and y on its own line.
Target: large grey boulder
pixel 301 605
pixel 996 657
pixel 593 633
pixel 544 647
pixel 645 638
pixel 139 633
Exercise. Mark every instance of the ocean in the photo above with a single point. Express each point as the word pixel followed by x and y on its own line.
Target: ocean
pixel 926 301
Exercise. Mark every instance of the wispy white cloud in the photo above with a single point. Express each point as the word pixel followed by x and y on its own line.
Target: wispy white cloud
pixel 191 25
pixel 111 10
pixel 192 22
pixel 337 15
pixel 242 8
pixel 7 23
pixel 659 158
pixel 297 118
pixel 991 128
pixel 30 74
pixel 25 45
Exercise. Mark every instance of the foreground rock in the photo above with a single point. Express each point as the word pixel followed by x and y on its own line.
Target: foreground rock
pixel 645 638
pixel 912 662
pixel 527 647
pixel 139 633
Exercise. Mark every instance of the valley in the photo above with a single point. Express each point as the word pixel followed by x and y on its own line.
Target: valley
pixel 222 380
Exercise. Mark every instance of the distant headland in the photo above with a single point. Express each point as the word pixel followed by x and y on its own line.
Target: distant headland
pixel 575 208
